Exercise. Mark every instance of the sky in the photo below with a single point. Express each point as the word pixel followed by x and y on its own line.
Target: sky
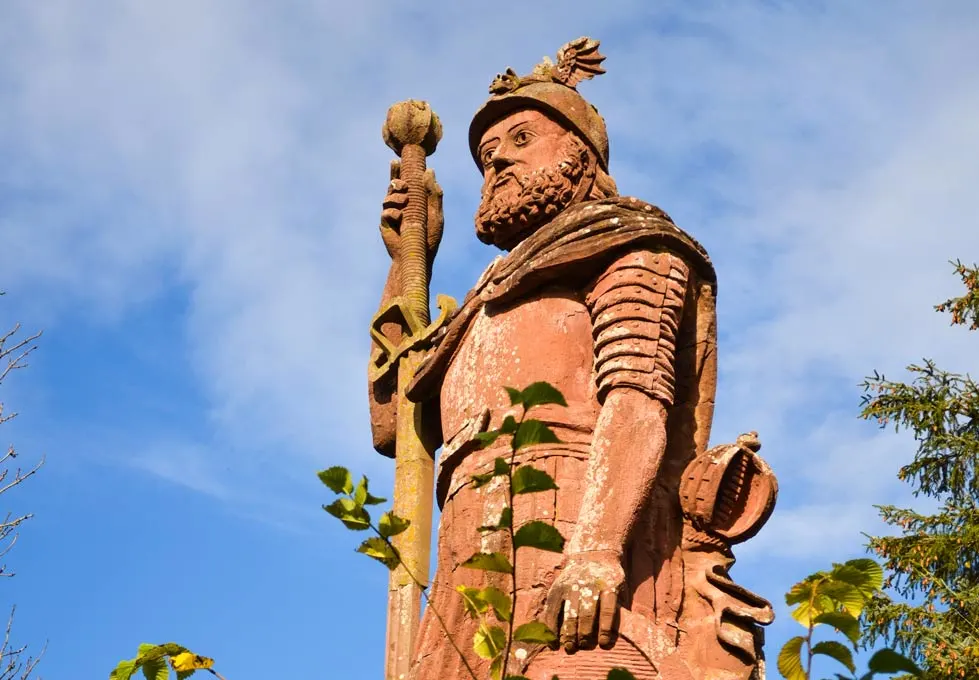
pixel 189 200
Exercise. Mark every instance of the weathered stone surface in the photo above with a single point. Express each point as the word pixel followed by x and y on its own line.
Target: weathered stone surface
pixel 608 300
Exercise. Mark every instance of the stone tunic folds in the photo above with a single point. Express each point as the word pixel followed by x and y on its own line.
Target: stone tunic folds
pixel 609 294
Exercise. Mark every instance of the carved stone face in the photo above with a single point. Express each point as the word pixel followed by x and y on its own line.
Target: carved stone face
pixel 532 168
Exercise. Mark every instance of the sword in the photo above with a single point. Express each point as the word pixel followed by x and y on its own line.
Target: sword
pixel 412 131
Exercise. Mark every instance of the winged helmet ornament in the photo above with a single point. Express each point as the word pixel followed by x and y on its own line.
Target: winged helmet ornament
pixel 576 61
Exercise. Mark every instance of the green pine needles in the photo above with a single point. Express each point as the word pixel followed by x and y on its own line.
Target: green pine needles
pixel 931 611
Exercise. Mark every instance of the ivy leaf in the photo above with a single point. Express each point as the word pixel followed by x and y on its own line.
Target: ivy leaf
pixel 337 478
pixel 533 432
pixel 844 622
pixel 123 670
pixel 790 660
pixel 536 394
pixel 489 562
pixel 620 674
pixel 391 525
pixel 378 549
pixel 350 513
pixel 489 641
pixel 540 535
pixel 835 650
pixel 528 479
pixel 889 661
pixel 534 632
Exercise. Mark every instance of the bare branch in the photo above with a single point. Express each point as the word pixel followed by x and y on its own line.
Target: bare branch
pixel 19 478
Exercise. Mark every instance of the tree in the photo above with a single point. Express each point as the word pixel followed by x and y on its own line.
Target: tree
pixel 932 566
pixel 15 662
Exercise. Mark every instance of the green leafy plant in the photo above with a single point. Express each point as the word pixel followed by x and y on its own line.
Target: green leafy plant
pixel 491 607
pixel 931 608
pixel 836 599
pixel 156 662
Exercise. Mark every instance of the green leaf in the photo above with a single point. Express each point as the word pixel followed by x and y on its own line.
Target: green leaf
pixel 477 602
pixel 509 425
pixel 843 595
pixel 182 675
pixel 391 525
pixel 528 479
pixel 489 562
pixel 536 394
pixel 889 661
pixel 865 574
pixel 534 632
pixel 501 468
pixel 381 551
pixel 156 669
pixel 790 660
pixel 533 432
pixel 337 478
pixel 620 674
pixel 506 521
pixel 486 439
pixel 123 670
pixel 148 648
pixel 350 513
pixel 540 535
pixel 835 650
pixel 844 622
pixel 489 641
pixel 471 600
pixel 499 601
pixel 802 591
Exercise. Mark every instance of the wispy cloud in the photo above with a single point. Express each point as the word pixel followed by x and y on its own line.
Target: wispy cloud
pixel 826 156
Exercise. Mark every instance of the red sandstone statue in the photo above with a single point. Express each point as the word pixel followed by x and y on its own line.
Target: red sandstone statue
pixel 605 298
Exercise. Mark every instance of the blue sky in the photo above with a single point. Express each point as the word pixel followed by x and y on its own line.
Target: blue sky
pixel 189 194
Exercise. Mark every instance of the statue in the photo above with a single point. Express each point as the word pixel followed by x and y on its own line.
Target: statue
pixel 605 298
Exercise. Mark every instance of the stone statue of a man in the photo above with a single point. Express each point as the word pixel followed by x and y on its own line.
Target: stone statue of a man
pixel 605 298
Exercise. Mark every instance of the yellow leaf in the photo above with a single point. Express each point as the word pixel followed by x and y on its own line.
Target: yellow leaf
pixel 188 661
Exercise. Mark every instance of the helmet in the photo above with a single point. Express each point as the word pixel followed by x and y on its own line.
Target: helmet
pixel 551 89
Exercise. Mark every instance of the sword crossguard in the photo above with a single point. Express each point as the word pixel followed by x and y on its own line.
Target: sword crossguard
pixel 416 335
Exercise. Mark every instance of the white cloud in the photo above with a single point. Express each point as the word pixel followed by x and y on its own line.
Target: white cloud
pixel 826 157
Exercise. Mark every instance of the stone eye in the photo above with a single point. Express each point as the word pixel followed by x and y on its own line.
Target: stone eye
pixel 522 137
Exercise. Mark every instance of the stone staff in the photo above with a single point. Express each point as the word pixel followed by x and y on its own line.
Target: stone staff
pixel 412 131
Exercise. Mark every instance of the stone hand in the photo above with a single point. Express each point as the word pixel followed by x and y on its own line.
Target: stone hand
pixel 393 209
pixel 582 605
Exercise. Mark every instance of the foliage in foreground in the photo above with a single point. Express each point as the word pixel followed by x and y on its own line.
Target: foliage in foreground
pixel 932 566
pixel 156 662
pixel 490 606
pixel 836 599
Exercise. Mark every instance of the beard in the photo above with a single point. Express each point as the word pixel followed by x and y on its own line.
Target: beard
pixel 512 211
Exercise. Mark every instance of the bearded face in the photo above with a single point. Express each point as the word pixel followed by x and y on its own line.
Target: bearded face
pixel 533 168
